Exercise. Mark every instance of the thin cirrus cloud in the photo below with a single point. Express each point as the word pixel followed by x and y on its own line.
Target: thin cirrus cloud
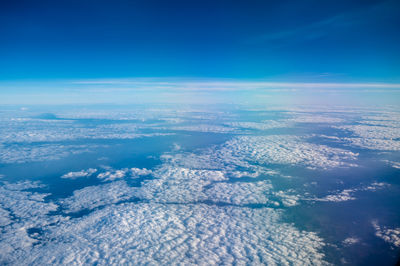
pixel 126 84
pixel 185 90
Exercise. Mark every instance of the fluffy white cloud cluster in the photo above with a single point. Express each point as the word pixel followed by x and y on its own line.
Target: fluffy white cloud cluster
pixel 179 185
pixel 40 130
pixel 381 134
pixel 250 151
pixel 182 185
pixel 94 196
pixel 246 193
pixel 241 193
pixel 348 194
pixel 373 132
pixel 390 235
pixel 28 130
pixel 24 204
pixel 350 241
pixel 286 149
pixel 32 140
pixel 393 164
pixel 344 195
pixel 111 174
pixel 241 174
pixel 21 211
pixel 82 173
pixel 189 234
pixel 193 209
pixel 43 152
pixel 288 198
pixel 166 230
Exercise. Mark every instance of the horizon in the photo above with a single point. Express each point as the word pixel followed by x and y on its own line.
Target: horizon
pixel 215 132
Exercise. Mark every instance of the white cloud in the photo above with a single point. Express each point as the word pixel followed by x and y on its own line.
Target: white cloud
pixel 373 132
pixel 382 133
pixel 20 211
pixel 285 149
pixel 149 233
pixel 178 185
pixel 41 152
pixel 203 128
pixel 264 125
pixel 393 164
pixel 94 196
pixel 348 194
pixel 251 151
pixel 375 144
pixel 82 173
pixel 241 193
pixel 181 84
pixel 350 241
pixel 314 118
pixel 31 130
pixel 111 174
pixel 138 172
pixel 390 235
pixel 241 174
pixel 343 195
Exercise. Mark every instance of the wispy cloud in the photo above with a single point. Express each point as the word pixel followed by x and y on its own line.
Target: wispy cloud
pixel 223 85
pixel 231 85
pixel 187 90
pixel 334 24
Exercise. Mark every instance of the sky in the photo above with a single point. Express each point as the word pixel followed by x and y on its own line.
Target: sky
pixel 249 41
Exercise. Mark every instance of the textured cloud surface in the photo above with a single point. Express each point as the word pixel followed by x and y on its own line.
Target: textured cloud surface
pixel 20 211
pixel 148 233
pixel 284 149
pixel 381 133
pixel 82 173
pixel 390 235
pixel 95 196
pixel 197 198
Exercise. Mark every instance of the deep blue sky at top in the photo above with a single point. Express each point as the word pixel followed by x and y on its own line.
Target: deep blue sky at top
pixel 293 40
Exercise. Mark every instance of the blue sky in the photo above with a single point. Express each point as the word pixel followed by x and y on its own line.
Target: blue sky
pixel 298 40
pixel 273 41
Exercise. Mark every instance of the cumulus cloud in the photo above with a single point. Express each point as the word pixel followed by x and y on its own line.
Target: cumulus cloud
pixel 43 152
pixel 285 149
pixel 94 196
pixel 194 208
pixel 240 192
pixel 393 164
pixel 350 241
pixel 176 232
pixel 379 134
pixel 150 233
pixel 30 130
pixel 179 185
pixel 348 194
pixel 20 211
pixel 82 173
pixel 241 174
pixel 250 151
pixel 390 235
pixel 112 174
pixel 343 195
